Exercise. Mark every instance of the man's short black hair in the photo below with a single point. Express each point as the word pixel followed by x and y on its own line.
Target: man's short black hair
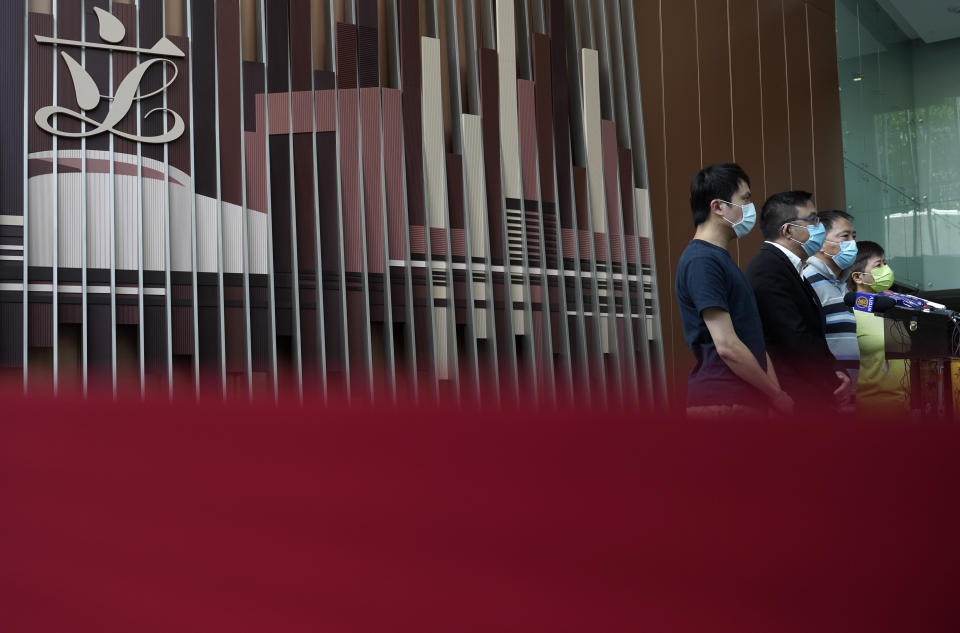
pixel 866 250
pixel 828 218
pixel 716 182
pixel 780 208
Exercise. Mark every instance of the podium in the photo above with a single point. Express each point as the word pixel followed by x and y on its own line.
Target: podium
pixel 931 342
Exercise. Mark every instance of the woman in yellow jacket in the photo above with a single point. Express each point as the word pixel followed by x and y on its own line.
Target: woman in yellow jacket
pixel 882 385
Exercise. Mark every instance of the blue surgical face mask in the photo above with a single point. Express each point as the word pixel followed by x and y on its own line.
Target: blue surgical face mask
pixel 746 223
pixel 814 241
pixel 847 255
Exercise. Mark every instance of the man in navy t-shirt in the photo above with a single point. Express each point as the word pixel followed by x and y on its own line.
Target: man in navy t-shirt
pixel 733 374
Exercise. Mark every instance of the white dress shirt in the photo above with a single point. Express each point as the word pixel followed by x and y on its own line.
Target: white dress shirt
pixel 796 261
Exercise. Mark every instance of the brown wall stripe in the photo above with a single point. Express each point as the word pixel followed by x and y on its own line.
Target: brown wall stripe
pixel 393 138
pixel 204 99
pixel 97 64
pixel 68 26
pixel 409 27
pixel 122 66
pixel 350 178
pixel 41 92
pixel 228 85
pixel 178 100
pixel 151 30
pixel 544 114
pixel 528 138
pixel 372 174
pixel 490 122
pixel 11 109
pixel 205 180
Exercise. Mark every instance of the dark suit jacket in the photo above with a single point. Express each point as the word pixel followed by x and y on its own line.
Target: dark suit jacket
pixel 794 329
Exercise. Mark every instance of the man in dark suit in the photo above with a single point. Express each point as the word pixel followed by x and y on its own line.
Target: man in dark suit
pixel 793 323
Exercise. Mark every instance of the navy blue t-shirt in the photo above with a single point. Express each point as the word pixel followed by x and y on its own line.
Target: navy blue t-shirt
pixel 707 277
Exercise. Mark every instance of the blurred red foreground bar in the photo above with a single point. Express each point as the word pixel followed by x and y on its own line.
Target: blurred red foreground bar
pixel 182 518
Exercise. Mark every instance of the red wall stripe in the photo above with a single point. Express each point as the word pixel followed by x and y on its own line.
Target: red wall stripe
pixel 372 172
pixel 528 138
pixel 393 138
pixel 350 178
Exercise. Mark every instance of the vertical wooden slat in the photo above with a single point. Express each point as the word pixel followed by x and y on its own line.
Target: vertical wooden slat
pixel 352 200
pixel 229 95
pixel 776 106
pixel 553 260
pixel 747 111
pixel 302 78
pixel 482 280
pixel 97 64
pixel 277 53
pixel 798 95
pixel 503 301
pixel 392 120
pixel 181 226
pixel 591 216
pixel 203 43
pixel 713 69
pixel 409 27
pixel 151 24
pixel 373 201
pixel 544 114
pixel 825 108
pixel 680 149
pixel 12 192
pixel 435 178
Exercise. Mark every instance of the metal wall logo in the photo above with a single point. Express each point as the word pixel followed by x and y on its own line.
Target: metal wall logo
pixel 88 93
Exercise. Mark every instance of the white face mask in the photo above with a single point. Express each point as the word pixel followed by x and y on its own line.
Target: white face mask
pixel 747 220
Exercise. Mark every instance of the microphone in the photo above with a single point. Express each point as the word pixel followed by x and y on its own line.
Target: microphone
pixel 907 301
pixel 866 302
pixel 916 303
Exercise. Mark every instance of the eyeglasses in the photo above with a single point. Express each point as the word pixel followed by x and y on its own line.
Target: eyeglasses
pixel 812 220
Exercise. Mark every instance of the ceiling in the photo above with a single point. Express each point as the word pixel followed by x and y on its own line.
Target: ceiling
pixel 929 20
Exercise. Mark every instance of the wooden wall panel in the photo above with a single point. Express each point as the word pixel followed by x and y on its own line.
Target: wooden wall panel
pixel 681 128
pixel 825 97
pixel 773 91
pixel 798 95
pixel 651 85
pixel 747 110
pixel 774 62
pixel 713 61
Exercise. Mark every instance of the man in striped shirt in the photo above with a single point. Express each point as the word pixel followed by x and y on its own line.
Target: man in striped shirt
pixel 827 273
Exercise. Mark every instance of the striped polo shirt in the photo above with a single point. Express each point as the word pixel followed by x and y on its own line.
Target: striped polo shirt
pixel 841 322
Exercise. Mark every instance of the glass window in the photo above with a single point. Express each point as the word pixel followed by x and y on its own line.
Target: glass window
pixel 900 104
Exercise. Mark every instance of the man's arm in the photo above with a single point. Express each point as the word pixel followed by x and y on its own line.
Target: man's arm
pixel 741 360
pixel 771 372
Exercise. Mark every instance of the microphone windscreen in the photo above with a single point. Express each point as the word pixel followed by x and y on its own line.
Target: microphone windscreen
pixel 867 302
pixel 882 303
